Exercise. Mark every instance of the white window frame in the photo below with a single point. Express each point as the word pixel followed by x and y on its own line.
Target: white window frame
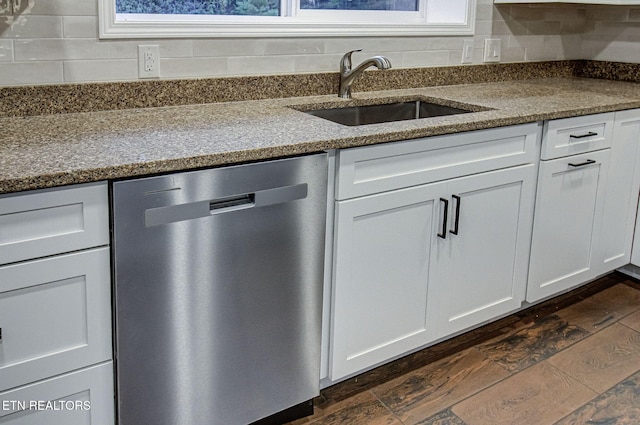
pixel 431 19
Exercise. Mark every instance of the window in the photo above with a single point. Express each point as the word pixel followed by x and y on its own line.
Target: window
pixel 237 18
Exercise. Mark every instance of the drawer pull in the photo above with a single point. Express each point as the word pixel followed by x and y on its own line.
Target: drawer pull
pixel 582 164
pixel 0 334
pixel 456 222
pixel 582 136
pixel 443 234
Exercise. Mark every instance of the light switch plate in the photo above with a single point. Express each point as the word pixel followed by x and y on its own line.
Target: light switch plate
pixel 467 51
pixel 148 61
pixel 492 49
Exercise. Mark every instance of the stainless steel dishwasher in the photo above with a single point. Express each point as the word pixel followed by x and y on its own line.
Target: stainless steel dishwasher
pixel 218 289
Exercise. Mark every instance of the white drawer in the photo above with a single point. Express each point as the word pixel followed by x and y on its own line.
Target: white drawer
pixel 570 136
pixel 84 397
pixel 39 223
pixel 55 316
pixel 379 168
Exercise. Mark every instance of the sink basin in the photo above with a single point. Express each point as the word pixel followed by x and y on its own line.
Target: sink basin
pixel 372 114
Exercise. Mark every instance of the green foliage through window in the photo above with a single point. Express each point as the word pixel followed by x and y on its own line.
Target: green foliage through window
pixel 252 7
pixel 200 7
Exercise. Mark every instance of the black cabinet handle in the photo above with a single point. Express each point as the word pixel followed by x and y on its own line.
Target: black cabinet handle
pixel 445 214
pixel 456 222
pixel 582 164
pixel 582 136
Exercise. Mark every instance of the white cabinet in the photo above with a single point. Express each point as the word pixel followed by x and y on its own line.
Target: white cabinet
pixel 585 203
pixel 569 204
pixel 621 194
pixel 381 266
pixel 54 316
pixel 479 269
pixel 84 397
pixel 576 135
pixel 55 306
pixel 418 263
pixel 45 222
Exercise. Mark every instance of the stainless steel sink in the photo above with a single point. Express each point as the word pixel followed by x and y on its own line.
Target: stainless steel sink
pixel 372 114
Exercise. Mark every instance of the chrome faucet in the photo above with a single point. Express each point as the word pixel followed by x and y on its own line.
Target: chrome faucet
pixel 347 75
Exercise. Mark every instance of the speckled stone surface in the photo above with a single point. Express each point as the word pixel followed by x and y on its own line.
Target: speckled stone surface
pixel 69 98
pixel 54 150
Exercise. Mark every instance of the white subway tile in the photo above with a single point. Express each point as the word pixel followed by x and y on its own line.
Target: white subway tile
pixel 421 59
pixel 317 63
pixel 80 26
pixel 228 47
pixel 101 70
pixel 485 11
pixel 28 26
pixel 444 43
pixel 293 46
pixel 168 48
pixel 193 67
pixel 541 53
pixel 512 54
pixel 261 65
pixel 60 49
pixel 29 73
pixel 6 50
pixel 65 7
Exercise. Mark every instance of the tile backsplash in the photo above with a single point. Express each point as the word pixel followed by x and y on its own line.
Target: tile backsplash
pixel 56 41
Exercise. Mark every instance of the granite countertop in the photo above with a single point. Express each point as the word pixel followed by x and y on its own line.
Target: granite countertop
pixel 54 150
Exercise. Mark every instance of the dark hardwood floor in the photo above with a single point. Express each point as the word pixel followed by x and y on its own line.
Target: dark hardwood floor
pixel 572 360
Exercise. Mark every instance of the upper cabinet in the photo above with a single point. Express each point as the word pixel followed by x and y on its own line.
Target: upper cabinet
pixel 610 2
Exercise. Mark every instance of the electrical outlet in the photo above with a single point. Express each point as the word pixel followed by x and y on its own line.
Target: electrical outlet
pixel 149 61
pixel 467 51
pixel 492 49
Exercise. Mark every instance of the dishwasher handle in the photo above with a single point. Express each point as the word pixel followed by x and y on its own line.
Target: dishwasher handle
pixel 199 209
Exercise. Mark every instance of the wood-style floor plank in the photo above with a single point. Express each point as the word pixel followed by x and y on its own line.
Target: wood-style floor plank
pixel 511 371
pixel 632 321
pixel 427 391
pixel 589 315
pixel 361 409
pixel 602 360
pixel 618 406
pixel 620 298
pixel 446 417
pixel 539 395
pixel 527 346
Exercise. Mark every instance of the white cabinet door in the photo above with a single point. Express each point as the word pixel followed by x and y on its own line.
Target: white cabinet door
pixel 479 270
pixel 621 193
pixel 83 397
pixel 381 276
pixel 569 205
pixel 55 316
pixel 39 223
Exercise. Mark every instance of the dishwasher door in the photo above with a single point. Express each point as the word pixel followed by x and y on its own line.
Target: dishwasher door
pixel 218 289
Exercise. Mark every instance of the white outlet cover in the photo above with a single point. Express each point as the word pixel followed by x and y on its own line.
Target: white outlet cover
pixel 492 49
pixel 467 51
pixel 149 61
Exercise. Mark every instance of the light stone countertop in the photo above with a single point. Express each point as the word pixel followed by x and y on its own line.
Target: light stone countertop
pixel 54 150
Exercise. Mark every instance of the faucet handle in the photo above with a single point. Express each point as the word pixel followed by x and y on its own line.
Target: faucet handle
pixel 345 62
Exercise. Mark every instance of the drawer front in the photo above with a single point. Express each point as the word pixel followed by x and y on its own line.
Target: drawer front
pixel 379 168
pixel 55 316
pixel 45 222
pixel 80 398
pixel 570 136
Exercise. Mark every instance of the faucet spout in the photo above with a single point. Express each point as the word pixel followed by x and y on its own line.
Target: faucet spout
pixel 347 75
